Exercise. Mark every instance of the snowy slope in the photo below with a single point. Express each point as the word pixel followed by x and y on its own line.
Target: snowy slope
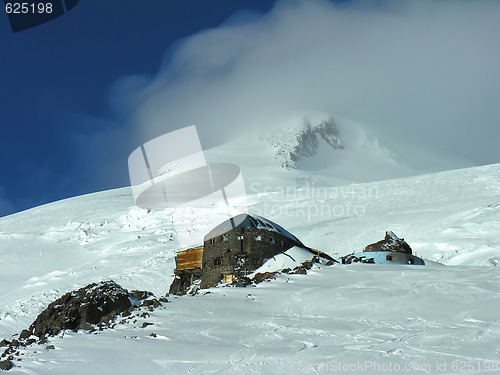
pixel 433 315
pixel 354 152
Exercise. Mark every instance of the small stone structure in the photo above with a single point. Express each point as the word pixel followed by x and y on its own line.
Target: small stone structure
pixel 391 242
pixel 390 250
pixel 230 251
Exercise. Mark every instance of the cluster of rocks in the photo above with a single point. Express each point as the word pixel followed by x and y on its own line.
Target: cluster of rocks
pixel 268 276
pixel 92 308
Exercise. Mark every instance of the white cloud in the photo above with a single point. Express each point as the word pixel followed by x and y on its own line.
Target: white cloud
pixel 422 69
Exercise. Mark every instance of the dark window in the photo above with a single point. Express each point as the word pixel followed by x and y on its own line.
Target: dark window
pixel 388 257
pixel 239 237
pixel 271 239
pixel 217 262
pixel 224 237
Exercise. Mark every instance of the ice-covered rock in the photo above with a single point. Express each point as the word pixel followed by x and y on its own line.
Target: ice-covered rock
pixel 292 144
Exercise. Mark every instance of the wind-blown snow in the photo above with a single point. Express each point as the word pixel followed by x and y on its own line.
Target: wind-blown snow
pixel 437 314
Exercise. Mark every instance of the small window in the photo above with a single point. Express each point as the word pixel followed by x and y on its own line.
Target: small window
pixel 257 237
pixel 217 262
pixel 271 239
pixel 388 257
pixel 239 237
pixel 212 241
pixel 224 237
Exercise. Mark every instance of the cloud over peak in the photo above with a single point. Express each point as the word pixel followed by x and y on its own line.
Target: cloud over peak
pixel 428 70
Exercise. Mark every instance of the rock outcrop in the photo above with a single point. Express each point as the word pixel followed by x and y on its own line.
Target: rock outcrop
pixel 391 242
pixel 91 308
pixel 80 309
pixel 294 144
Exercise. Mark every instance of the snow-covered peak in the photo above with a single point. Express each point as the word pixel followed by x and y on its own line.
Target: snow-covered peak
pixel 293 144
pixel 326 150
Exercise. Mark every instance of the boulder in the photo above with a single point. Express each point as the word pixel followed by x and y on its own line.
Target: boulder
pixel 96 303
pixel 24 334
pixel 6 365
pixel 264 276
pixel 242 282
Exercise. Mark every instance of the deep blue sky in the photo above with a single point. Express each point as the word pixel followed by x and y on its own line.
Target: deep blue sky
pixel 55 82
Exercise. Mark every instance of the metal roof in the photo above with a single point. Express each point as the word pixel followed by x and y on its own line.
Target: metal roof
pixel 249 221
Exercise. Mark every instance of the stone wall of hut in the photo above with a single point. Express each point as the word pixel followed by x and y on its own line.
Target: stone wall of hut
pixel 238 252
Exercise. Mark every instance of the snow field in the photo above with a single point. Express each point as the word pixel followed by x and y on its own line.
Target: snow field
pixel 441 313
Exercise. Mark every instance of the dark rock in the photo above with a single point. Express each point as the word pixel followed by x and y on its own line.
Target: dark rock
pixel 242 282
pixel 261 276
pixel 329 263
pixel 140 294
pixel 307 265
pixel 24 334
pixel 4 343
pixel 86 326
pixel 82 308
pixel 286 270
pixel 6 365
pixel 299 270
pixel 164 299
pixel 50 347
pixel 30 341
pixel 14 343
pixel 182 283
pixel 153 335
pixel 151 302
pixel 145 324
